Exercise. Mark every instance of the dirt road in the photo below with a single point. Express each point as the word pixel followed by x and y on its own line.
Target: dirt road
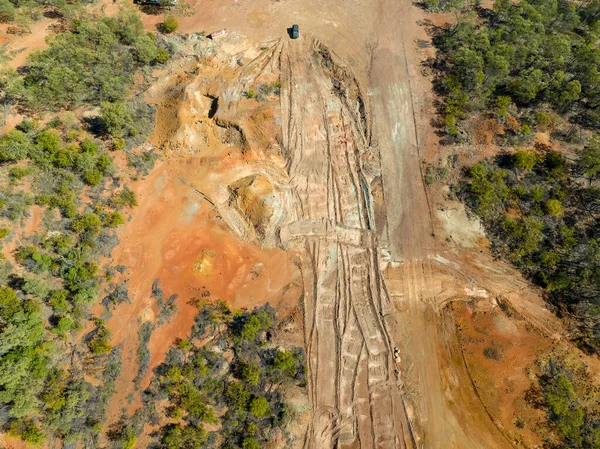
pixel 449 413
pixel 356 400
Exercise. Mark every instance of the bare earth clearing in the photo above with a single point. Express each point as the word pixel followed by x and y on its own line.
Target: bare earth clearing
pixel 315 194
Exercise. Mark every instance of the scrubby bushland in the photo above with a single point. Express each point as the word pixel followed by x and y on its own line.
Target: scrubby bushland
pixel 532 66
pixel 42 390
pixel 543 215
pixel 93 62
pixel 523 54
pixel 66 167
pixel 234 380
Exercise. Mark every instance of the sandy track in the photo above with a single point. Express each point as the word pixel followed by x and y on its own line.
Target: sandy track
pixel 448 410
pixel 356 401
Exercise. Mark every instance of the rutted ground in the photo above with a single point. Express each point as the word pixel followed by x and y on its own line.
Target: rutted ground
pixel 356 402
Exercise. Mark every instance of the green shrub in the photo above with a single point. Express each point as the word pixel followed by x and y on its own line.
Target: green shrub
pixel 162 56
pixel 49 140
pixel 7 11
pixel 118 143
pixel 28 431
pixel 98 343
pixel 18 173
pixel 169 25
pixel 14 146
pixel 65 324
pixel 58 300
pixel 88 223
pixel 554 208
pixel 542 118
pixel 146 49
pixel 525 159
pixel 588 160
pixel 114 219
pixel 259 407
pixel 93 177
pixel 250 443
pixel 125 198
pixel 251 373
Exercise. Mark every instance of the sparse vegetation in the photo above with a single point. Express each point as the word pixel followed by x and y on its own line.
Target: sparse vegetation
pixel 529 66
pixel 93 62
pixel 143 353
pixel 62 164
pixel 545 221
pixel 493 352
pixel 563 391
pixel 204 385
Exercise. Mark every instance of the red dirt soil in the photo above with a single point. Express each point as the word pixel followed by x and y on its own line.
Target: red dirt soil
pixel 502 383
pixel 174 236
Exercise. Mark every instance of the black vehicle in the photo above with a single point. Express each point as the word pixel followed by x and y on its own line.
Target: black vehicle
pixel 156 2
pixel 295 32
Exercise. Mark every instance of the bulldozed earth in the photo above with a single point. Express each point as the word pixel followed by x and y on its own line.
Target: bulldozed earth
pixel 292 174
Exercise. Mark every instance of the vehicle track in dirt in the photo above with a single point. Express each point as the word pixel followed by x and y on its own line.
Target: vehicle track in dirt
pixel 352 384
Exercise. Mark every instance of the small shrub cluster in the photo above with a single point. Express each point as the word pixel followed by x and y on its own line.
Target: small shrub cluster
pixel 564 392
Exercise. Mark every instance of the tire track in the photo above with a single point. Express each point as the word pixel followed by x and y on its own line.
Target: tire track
pixel 356 401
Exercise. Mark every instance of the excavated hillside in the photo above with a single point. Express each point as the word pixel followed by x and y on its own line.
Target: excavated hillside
pixel 287 180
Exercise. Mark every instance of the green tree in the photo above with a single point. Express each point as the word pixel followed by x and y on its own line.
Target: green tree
pixel 250 443
pixel 58 300
pixel 526 87
pixel 562 89
pixel 115 117
pixel 178 437
pixel 146 49
pixel 525 159
pixel 64 325
pixel 588 160
pixel 28 431
pixel 12 87
pixel 14 146
pixel 563 404
pixel 251 373
pixel 286 365
pixel 238 395
pixel 7 11
pixel 259 406
pixel 502 103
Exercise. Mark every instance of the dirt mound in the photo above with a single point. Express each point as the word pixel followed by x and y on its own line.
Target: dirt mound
pixel 261 203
